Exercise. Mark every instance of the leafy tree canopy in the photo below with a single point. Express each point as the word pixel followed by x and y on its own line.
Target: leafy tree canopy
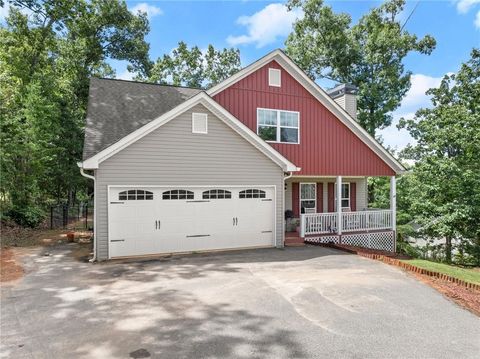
pixel 194 68
pixel 368 54
pixel 46 59
pixel 444 184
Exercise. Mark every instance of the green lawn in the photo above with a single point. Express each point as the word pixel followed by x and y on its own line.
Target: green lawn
pixel 469 275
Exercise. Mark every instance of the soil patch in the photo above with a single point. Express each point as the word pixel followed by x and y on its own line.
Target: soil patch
pixel 14 236
pixel 10 269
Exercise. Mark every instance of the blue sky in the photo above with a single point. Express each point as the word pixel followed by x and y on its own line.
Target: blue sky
pixel 257 27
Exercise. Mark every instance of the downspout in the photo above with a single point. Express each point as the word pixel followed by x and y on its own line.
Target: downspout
pixel 82 172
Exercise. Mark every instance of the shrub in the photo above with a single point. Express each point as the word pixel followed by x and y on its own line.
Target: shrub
pixel 26 216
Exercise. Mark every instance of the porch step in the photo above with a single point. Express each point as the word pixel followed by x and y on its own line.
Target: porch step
pixel 292 239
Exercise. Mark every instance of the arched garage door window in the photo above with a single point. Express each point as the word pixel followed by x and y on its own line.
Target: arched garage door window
pixel 217 194
pixel 177 194
pixel 135 194
pixel 252 193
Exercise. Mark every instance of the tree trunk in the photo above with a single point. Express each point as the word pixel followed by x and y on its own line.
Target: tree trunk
pixel 448 249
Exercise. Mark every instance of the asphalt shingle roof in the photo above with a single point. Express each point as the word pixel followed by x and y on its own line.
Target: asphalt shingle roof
pixel 117 108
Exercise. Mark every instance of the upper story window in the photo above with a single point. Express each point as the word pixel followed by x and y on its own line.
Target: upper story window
pixel 134 195
pixel 177 194
pixel 274 77
pixel 199 122
pixel 278 125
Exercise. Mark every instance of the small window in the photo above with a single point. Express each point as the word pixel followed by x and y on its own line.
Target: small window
pixel 308 197
pixel 278 126
pixel 252 193
pixel 217 194
pixel 177 194
pixel 345 195
pixel 274 77
pixel 135 195
pixel 199 122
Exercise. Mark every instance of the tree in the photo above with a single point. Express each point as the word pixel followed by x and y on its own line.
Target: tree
pixel 194 68
pixel 444 186
pixel 368 54
pixel 46 59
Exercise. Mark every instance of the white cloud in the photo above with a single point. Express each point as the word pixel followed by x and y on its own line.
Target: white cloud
pixel 266 25
pixel 413 101
pixel 125 75
pixel 416 97
pixel 477 20
pixel 150 10
pixel 463 6
pixel 395 138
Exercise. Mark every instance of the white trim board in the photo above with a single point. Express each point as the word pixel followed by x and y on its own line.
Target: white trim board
pixel 214 107
pixel 289 65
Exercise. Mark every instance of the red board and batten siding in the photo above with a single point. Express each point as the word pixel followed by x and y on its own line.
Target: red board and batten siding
pixel 327 147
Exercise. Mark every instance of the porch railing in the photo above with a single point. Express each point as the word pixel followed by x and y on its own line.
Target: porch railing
pixel 322 223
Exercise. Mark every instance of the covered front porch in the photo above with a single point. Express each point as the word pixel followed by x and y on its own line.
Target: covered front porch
pixel 318 217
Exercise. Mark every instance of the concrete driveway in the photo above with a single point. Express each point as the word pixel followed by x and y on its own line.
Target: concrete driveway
pixel 305 302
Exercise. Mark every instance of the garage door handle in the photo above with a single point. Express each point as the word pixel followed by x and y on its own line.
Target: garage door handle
pixel 156 224
pixel 117 240
pixel 236 221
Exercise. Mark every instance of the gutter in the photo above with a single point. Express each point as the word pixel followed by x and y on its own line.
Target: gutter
pixel 82 172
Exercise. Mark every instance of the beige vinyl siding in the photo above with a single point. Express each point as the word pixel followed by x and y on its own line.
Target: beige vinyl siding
pixel 173 155
pixel 349 103
pixel 288 196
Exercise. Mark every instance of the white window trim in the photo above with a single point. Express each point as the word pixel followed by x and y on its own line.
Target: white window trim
pixel 278 125
pixel 270 71
pixel 206 122
pixel 344 199
pixel 300 199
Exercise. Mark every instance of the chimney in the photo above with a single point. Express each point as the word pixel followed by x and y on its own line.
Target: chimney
pixel 346 96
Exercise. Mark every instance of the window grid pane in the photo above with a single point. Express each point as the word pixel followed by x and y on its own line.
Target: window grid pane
pixel 278 126
pixel 135 194
pixel 217 194
pixel 267 117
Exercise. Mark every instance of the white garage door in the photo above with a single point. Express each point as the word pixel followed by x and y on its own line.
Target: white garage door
pixel 150 220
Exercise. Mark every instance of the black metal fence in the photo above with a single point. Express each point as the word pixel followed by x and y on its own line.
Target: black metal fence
pixel 72 216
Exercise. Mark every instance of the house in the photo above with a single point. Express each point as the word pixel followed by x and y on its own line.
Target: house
pixel 180 170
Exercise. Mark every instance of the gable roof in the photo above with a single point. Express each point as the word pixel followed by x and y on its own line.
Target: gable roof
pixel 321 95
pixel 116 108
pixel 205 100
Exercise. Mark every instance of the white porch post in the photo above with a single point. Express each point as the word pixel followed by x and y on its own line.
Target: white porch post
pixel 339 204
pixel 393 201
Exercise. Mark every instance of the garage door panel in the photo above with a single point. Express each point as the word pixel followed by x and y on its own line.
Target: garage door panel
pixel 217 218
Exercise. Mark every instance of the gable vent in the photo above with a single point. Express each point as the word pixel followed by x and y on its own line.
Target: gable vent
pixel 199 122
pixel 274 77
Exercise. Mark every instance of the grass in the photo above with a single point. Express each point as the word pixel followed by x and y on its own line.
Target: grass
pixel 466 274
